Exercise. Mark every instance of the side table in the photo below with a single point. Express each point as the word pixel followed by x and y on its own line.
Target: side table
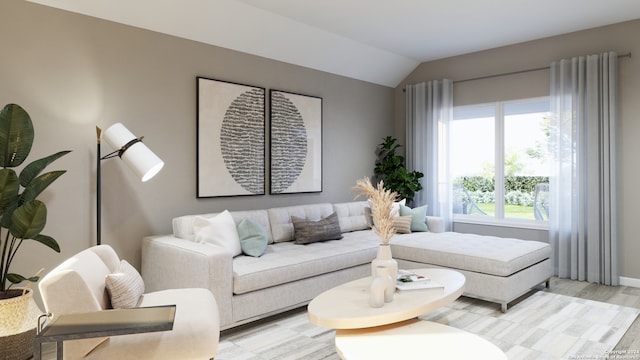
pixel 104 323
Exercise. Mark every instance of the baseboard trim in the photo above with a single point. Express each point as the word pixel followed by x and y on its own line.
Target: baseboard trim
pixel 629 282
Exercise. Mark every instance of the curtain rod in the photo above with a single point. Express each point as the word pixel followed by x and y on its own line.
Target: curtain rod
pixel 518 72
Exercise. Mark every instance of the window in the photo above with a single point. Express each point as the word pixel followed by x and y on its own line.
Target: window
pixel 500 160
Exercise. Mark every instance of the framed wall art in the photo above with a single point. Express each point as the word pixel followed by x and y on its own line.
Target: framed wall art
pixel 296 143
pixel 230 139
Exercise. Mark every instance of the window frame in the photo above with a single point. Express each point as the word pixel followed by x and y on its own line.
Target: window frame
pixel 498 219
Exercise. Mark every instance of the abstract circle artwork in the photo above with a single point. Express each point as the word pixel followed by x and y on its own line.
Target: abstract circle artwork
pixel 288 143
pixel 242 140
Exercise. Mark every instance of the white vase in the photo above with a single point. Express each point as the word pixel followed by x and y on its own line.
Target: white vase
pixel 377 290
pixel 384 259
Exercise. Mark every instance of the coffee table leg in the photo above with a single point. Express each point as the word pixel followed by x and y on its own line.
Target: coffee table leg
pixel 59 354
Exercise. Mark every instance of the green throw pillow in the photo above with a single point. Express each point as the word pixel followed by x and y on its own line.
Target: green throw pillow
pixel 419 217
pixel 253 238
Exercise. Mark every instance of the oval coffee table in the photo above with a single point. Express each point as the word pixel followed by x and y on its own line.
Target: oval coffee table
pixel 347 306
pixel 392 331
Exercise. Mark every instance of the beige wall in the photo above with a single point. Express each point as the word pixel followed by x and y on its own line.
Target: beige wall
pixel 73 72
pixel 622 38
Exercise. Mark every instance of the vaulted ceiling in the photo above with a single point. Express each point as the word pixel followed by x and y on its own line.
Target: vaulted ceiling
pixel 379 41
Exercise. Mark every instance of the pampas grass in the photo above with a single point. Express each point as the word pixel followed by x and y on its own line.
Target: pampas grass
pixel 381 202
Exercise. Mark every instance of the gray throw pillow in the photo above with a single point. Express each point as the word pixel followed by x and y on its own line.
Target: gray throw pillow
pixel 253 238
pixel 308 231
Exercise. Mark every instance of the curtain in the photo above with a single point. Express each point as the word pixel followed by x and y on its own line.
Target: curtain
pixel 429 107
pixel 582 221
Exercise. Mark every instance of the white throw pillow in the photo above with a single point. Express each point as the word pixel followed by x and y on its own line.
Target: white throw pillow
pixel 125 286
pixel 219 230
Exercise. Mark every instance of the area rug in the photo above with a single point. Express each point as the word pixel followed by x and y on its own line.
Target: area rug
pixel 542 326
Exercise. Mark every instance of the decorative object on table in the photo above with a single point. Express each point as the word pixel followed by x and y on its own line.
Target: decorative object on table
pixel 142 161
pixel 381 201
pixel 390 168
pixel 378 287
pixel 23 217
pixel 408 280
pixel 230 139
pixel 296 143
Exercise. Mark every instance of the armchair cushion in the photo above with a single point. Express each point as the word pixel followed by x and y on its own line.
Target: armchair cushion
pixel 125 286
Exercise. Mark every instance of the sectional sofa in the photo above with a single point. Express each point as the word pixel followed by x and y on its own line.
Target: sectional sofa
pixel 288 275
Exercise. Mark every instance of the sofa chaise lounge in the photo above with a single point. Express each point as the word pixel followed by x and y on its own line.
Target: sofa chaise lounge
pixel 289 275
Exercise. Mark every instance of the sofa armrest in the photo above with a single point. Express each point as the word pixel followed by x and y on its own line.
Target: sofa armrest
pixel 171 263
pixel 435 224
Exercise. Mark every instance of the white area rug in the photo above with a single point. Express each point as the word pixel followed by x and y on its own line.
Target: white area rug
pixel 542 326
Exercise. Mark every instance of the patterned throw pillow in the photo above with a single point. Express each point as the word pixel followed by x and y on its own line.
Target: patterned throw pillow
pixel 402 224
pixel 308 231
pixel 125 286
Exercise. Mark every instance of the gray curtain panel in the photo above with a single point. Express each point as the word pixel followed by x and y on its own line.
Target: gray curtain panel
pixel 429 107
pixel 582 219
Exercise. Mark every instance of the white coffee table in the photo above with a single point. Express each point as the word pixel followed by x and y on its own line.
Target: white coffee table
pixel 392 331
pixel 347 306
pixel 414 340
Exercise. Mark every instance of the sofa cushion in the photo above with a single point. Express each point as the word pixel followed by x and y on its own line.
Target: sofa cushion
pixel 219 230
pixel 419 217
pixel 309 231
pixel 183 225
pixel 253 238
pixel 402 224
pixel 479 253
pixel 351 215
pixel 286 262
pixel 124 286
pixel 280 218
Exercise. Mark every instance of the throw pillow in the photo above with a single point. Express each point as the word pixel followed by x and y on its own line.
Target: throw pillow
pixel 219 230
pixel 395 209
pixel 402 224
pixel 124 286
pixel 253 238
pixel 308 231
pixel 419 217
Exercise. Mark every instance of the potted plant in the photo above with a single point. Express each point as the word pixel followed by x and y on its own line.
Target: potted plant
pixel 22 216
pixel 390 168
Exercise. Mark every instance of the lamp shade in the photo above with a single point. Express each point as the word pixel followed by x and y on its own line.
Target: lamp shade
pixel 144 163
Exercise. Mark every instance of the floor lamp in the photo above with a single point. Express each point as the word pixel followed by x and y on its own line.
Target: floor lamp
pixel 142 161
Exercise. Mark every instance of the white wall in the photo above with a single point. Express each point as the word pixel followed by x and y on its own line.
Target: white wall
pixel 72 72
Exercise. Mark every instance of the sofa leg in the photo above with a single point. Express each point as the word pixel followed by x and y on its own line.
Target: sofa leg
pixel 503 307
pixel 547 283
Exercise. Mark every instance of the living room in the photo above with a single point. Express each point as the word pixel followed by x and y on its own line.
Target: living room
pixel 72 72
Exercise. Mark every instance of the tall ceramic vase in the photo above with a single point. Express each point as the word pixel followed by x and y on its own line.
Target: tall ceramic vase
pixel 384 259
pixel 18 322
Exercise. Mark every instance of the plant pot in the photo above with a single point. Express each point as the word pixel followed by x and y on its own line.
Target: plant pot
pixel 384 258
pixel 18 322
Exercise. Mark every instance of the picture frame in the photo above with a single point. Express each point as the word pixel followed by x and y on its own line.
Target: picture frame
pixel 231 136
pixel 295 143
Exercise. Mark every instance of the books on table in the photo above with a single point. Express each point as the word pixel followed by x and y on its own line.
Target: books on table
pixel 408 280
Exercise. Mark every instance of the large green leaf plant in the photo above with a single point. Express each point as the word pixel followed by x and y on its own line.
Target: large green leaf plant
pixel 391 169
pixel 22 216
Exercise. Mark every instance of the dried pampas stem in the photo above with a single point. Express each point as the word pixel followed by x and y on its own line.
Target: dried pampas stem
pixel 381 202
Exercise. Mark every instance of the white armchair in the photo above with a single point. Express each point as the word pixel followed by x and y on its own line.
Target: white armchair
pixel 78 285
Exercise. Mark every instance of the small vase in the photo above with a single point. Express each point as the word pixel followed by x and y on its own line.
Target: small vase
pixel 384 259
pixel 377 290
pixel 389 284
